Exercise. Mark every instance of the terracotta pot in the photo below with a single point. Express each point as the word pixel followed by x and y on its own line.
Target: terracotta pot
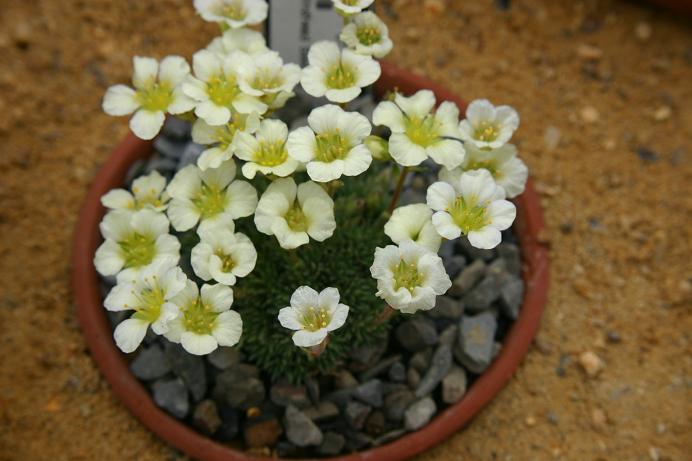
pixel 112 363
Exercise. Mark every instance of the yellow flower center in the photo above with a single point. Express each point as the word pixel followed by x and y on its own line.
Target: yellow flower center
pixel 199 318
pixel 469 216
pixel 486 131
pixel 156 96
pixel 149 302
pixel 233 10
pixel 227 261
pixel 368 35
pixel 210 201
pixel 270 153
pixel 350 2
pixel 341 76
pixel 315 318
pixel 406 276
pixel 489 165
pixel 331 146
pixel 267 79
pixel 222 90
pixel 150 197
pixel 296 219
pixel 137 250
pixel 422 131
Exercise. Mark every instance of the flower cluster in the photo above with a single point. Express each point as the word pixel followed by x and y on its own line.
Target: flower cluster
pixel 286 182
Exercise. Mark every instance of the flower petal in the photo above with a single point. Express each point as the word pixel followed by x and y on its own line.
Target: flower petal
pixel 147 124
pixel 129 334
pixel 120 100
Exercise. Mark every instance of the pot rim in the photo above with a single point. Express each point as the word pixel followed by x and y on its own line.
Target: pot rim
pixel 529 226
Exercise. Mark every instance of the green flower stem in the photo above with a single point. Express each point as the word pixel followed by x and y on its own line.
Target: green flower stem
pixel 397 190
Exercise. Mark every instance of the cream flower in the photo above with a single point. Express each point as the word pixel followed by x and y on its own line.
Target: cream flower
pixel 204 319
pixel 508 171
pixel 418 133
pixel 233 13
pixel 149 295
pixel 147 192
pixel 215 88
pixel 473 206
pixel 488 126
pixel 157 91
pixel 413 222
pixel 313 315
pixel 409 276
pixel 367 34
pixel 222 255
pixel 265 74
pixel 332 144
pixel 134 240
pixel 266 151
pixel 221 138
pixel 246 40
pixel 293 221
pixel 351 6
pixel 208 195
pixel 339 75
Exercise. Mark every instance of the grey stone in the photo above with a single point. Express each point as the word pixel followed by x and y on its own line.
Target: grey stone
pixel 355 414
pixel 332 444
pixel 285 449
pixel 313 388
pixel 239 388
pixel 419 413
pixel 483 295
pixel 467 278
pixel 225 357
pixel 365 357
pixel 375 424
pixel 150 363
pixel 388 437
pixel 300 430
pixel 475 253
pixel 416 334
pixel 440 365
pixel 340 397
pixel 176 128
pixel 324 410
pixel 510 254
pixel 382 366
pixel 476 339
pixel 206 417
pixel 370 393
pixel 190 155
pixel 449 335
pixel 284 394
pixel 447 249
pixel 397 372
pixel 454 385
pixel 396 403
pixel 136 170
pixel 189 368
pixel 164 165
pixel 412 378
pixel 344 379
pixel 171 395
pixel 169 148
pixel 357 441
pixel 511 296
pixel 454 264
pixel 446 308
pixel 420 361
pixel 411 196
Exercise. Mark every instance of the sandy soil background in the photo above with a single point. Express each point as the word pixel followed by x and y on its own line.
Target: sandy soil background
pixel 604 89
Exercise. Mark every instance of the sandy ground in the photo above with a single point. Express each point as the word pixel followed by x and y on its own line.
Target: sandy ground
pixel 604 91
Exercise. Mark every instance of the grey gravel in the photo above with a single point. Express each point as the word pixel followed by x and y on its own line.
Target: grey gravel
pixel 510 254
pixel 419 413
pixel 355 414
pixel 468 277
pixel 239 388
pixel 397 372
pixel 446 308
pixel 449 335
pixel 511 296
pixel 300 430
pixel 225 357
pixel 176 128
pixel 190 155
pixel 150 363
pixel 169 148
pixel 454 385
pixel 484 294
pixel 475 253
pixel 396 403
pixel 344 379
pixel 476 339
pixel 284 394
pixel 382 366
pixel 441 362
pixel 332 444
pixel 416 334
pixel 206 417
pixel 454 264
pixel 370 393
pixel 322 411
pixel 189 368
pixel 412 378
pixel 171 395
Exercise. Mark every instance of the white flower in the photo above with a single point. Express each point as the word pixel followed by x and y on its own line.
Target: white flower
pixel 332 144
pixel 337 74
pixel 147 192
pixel 293 221
pixel 208 195
pixel 473 206
pixel 413 222
pixel 488 126
pixel 367 34
pixel 266 74
pixel 149 295
pixel 157 91
pixel 215 88
pixel 418 133
pixel 508 171
pixel 134 240
pixel 233 13
pixel 222 255
pixel 266 151
pixel 313 315
pixel 205 320
pixel 409 276
pixel 246 40
pixel 351 6
pixel 221 138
